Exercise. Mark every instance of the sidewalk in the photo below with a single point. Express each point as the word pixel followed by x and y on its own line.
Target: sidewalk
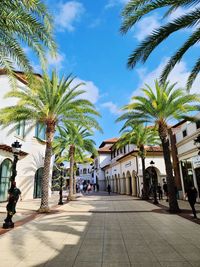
pixel 99 230
pixel 26 210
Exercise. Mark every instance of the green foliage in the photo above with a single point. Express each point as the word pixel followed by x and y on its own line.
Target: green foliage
pixel 136 9
pixel 159 105
pixel 139 135
pixel 28 23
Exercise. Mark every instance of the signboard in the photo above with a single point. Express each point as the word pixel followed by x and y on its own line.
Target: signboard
pixel 196 162
pixel 128 164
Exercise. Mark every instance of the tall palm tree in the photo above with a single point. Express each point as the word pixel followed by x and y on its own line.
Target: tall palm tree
pixel 136 9
pixel 75 140
pixel 141 136
pixel 50 102
pixel 159 107
pixel 24 22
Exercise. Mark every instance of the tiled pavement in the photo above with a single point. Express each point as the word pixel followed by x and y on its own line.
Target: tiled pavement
pixel 107 231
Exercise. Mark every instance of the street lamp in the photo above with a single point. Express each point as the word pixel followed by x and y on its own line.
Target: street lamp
pixel 13 192
pixel 61 184
pixel 16 148
pixel 154 182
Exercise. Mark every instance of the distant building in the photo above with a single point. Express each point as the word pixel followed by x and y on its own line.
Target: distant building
pixel 122 168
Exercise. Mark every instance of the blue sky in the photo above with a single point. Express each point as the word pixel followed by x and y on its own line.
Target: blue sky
pixel 91 47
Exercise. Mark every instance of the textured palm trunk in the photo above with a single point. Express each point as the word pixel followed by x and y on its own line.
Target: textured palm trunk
pixel 44 206
pixel 173 203
pixel 74 182
pixel 71 156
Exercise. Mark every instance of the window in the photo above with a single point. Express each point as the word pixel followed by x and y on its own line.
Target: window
pixel 84 171
pixel 184 133
pixel 198 124
pixel 124 149
pixel 40 131
pixel 21 129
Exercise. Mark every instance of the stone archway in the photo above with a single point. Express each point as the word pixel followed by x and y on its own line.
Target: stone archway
pixel 134 184
pixel 116 184
pixel 119 184
pixel 128 183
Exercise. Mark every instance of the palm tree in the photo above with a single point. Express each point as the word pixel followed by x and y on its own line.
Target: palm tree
pixel 159 107
pixel 141 136
pixel 136 9
pixel 75 140
pixel 50 102
pixel 28 23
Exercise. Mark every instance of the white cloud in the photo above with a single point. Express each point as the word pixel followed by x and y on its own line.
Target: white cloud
pixel 91 90
pixel 112 108
pixel 145 26
pixel 56 60
pixel 112 3
pixel 69 13
pixel 178 75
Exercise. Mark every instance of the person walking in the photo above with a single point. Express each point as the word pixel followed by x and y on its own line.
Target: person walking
pixel 191 193
pixel 109 189
pixel 165 189
pixel 159 190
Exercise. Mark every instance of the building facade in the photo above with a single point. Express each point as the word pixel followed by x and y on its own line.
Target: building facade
pixel 31 158
pixel 188 153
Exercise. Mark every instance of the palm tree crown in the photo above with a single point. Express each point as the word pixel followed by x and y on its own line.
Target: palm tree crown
pixel 136 9
pixel 28 23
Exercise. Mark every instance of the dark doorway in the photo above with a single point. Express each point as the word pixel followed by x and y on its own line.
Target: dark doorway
pixel 38 183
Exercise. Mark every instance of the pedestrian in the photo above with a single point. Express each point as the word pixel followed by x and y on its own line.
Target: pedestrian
pixel 97 185
pixel 109 189
pixel 160 192
pixel 165 189
pixel 81 188
pixel 191 193
pixel 13 196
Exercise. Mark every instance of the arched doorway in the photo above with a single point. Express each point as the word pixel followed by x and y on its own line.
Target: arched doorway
pixel 129 190
pixel 151 178
pixel 116 184
pixel 38 183
pixel 5 174
pixel 119 184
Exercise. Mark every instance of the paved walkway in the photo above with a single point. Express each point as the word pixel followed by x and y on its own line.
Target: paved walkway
pixel 103 231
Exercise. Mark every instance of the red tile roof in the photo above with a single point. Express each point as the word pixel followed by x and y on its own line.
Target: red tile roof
pixel 9 149
pixel 109 141
pixel 105 149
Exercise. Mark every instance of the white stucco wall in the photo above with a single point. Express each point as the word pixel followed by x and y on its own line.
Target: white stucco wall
pixel 27 165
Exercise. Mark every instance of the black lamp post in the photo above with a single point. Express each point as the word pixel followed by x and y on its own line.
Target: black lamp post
pixel 61 184
pixel 13 192
pixel 154 182
pixel 16 148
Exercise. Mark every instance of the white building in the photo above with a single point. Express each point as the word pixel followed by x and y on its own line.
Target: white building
pixel 85 172
pixel 31 159
pixel 187 151
pixel 122 168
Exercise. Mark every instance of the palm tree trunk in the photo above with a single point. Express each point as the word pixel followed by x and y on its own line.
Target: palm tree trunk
pixel 74 183
pixel 145 189
pixel 71 156
pixel 173 203
pixel 44 206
